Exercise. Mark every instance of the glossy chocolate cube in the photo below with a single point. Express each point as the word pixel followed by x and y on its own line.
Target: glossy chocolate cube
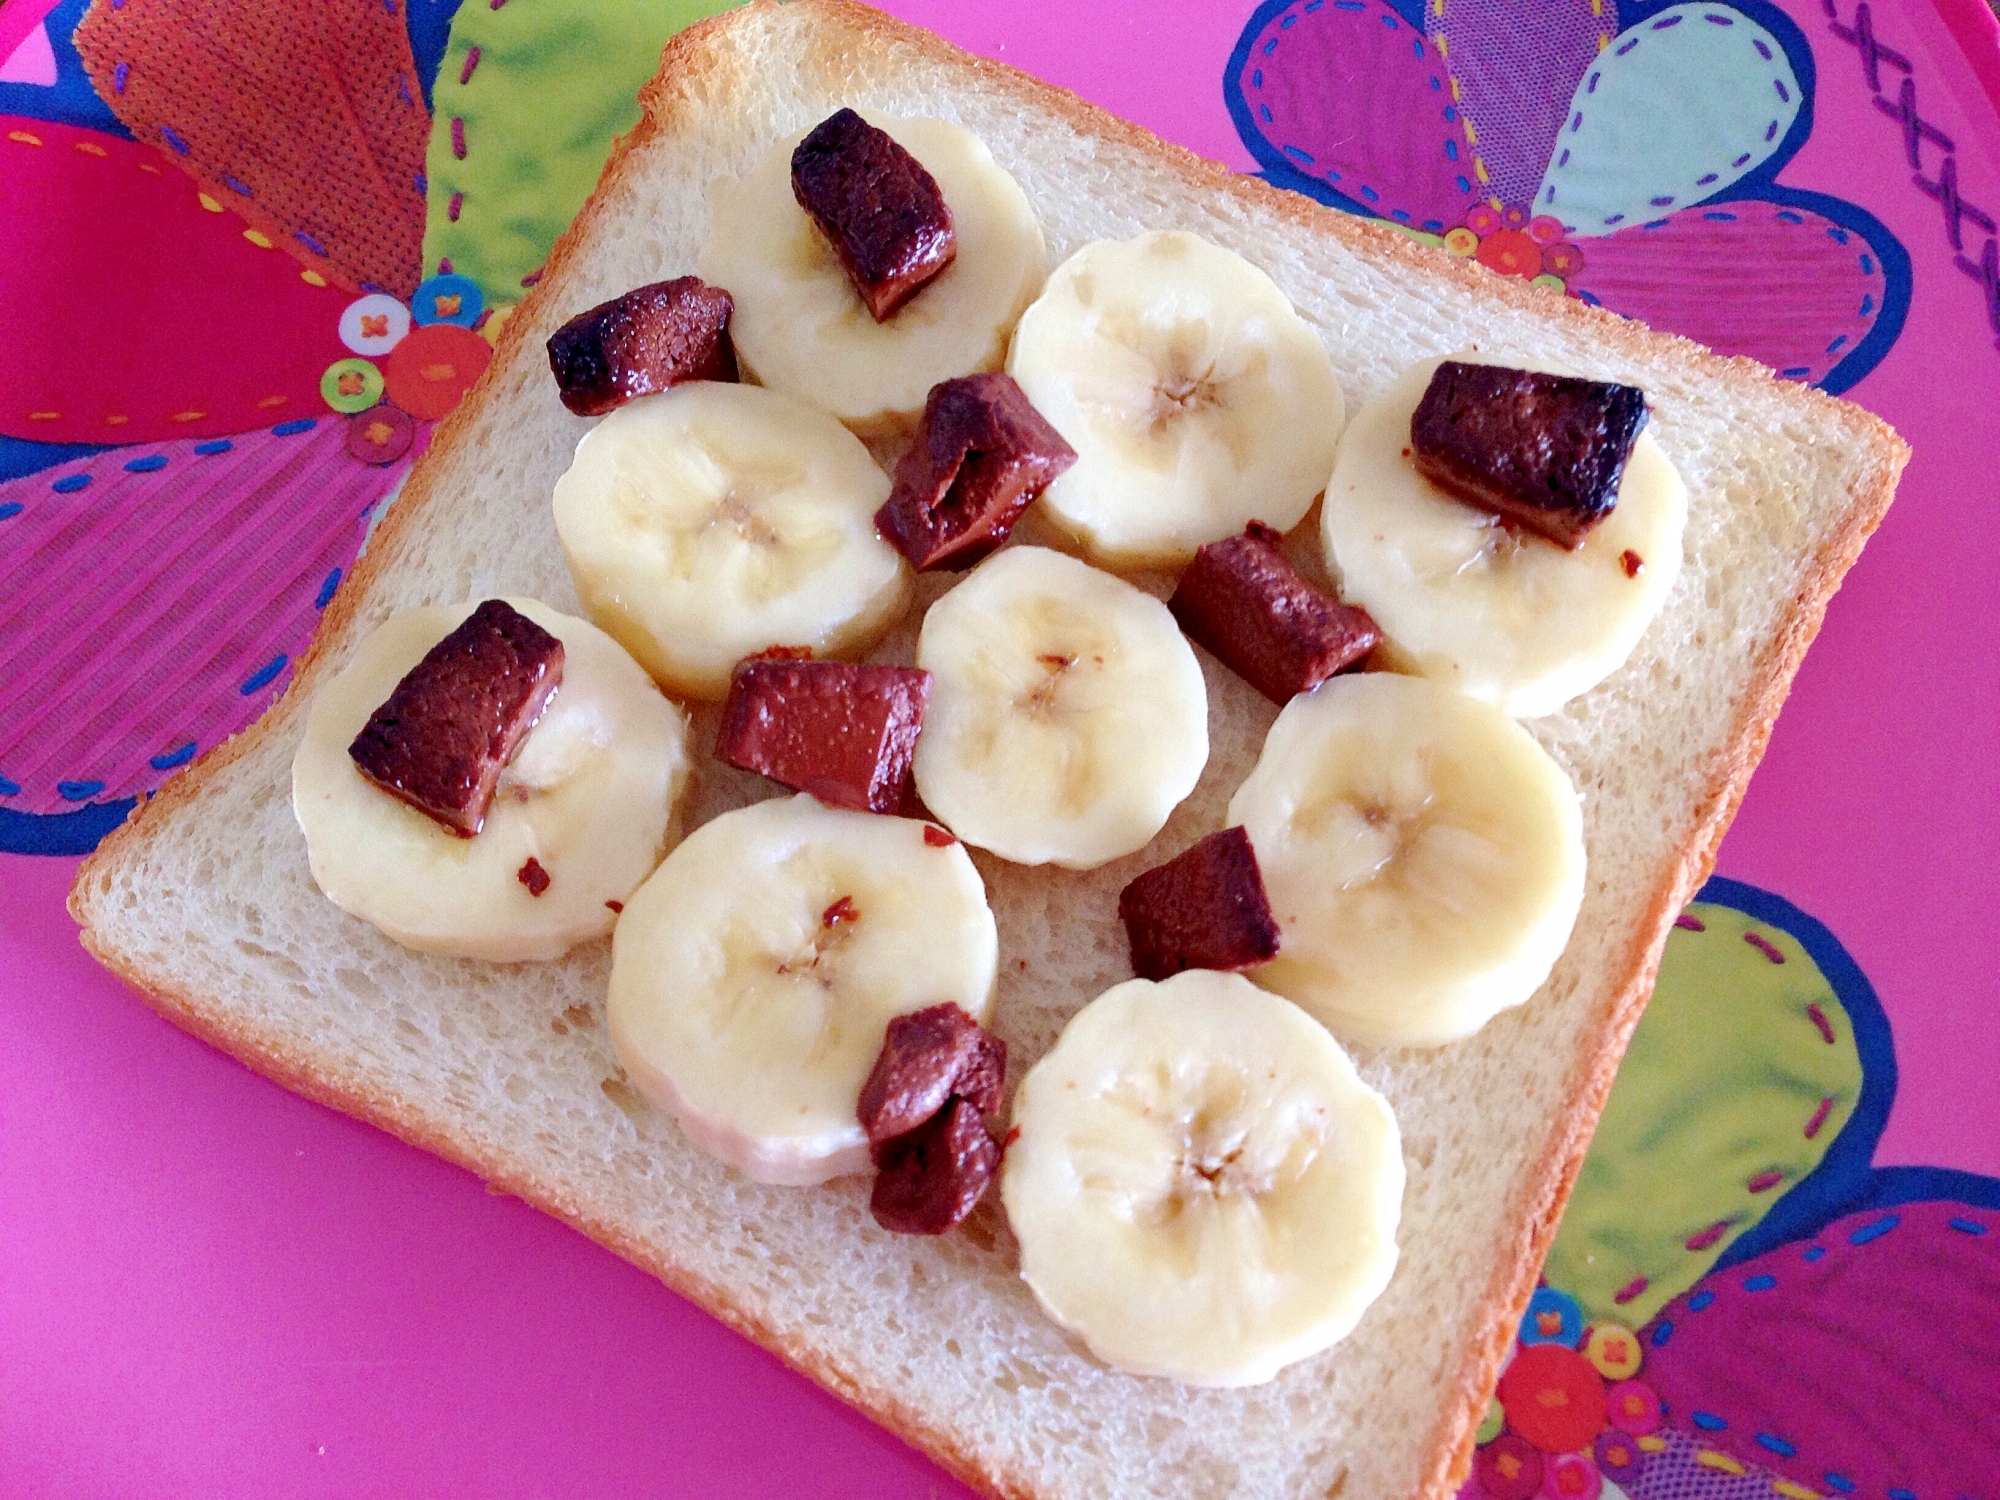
pixel 982 455
pixel 1544 452
pixel 884 215
pixel 442 738
pixel 844 733
pixel 649 339
pixel 1203 909
pixel 1243 601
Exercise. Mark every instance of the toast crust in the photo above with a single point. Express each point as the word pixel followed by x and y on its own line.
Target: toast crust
pixel 699 63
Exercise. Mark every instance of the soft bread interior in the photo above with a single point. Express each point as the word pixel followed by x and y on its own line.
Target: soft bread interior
pixel 205 903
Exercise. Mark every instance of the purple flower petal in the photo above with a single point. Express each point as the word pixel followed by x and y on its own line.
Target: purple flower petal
pixel 1783 285
pixel 1349 94
pixel 1516 67
pixel 157 590
pixel 1787 1364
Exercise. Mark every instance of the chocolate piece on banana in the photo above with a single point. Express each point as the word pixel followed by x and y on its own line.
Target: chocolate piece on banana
pixel 1472 601
pixel 884 215
pixel 1543 451
pixel 441 738
pixel 579 817
pixel 799 325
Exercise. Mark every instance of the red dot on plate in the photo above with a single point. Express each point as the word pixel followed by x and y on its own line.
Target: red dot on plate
pixel 1545 229
pixel 380 435
pixel 1632 1407
pixel 1508 1468
pixel 1553 1397
pixel 1511 253
pixel 1562 259
pixel 1571 1476
pixel 430 370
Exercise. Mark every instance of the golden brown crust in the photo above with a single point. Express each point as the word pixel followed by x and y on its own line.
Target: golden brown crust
pixel 852 35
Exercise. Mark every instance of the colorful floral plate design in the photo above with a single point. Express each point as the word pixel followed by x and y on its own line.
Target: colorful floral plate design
pixel 1842 1344
pixel 1625 154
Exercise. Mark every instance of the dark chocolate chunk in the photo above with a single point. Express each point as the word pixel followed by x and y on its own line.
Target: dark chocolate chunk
pixel 533 876
pixel 981 456
pixel 928 1057
pixel 844 733
pixel 881 211
pixel 444 735
pixel 1242 599
pixel 1203 909
pixel 931 1178
pixel 651 338
pixel 1545 452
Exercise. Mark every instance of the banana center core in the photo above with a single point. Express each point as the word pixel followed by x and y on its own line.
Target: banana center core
pixel 734 510
pixel 1040 698
pixel 1182 393
pixel 1206 1174
pixel 1383 839
pixel 836 927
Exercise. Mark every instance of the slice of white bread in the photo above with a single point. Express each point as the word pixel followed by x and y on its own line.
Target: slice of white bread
pixel 203 901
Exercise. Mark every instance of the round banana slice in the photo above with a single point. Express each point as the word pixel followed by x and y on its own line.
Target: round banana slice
pixel 1423 856
pixel 1068 716
pixel 1512 619
pixel 588 797
pixel 798 324
pixel 753 977
pixel 1197 400
pixel 1203 1187
pixel 711 521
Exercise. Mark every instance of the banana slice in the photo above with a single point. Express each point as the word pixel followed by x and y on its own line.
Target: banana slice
pixel 1513 620
pixel 753 977
pixel 711 521
pixel 588 797
pixel 1203 1187
pixel 1422 854
pixel 1197 400
pixel 798 325
pixel 1068 716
